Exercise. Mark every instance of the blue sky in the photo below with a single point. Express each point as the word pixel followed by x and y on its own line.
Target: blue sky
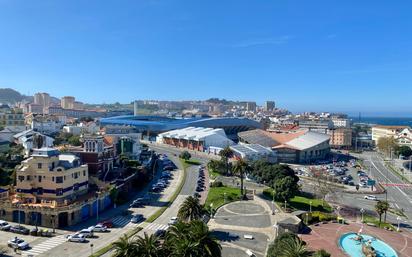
pixel 306 55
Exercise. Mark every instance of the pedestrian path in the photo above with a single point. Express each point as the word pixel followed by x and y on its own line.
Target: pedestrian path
pixel 156 226
pixel 45 246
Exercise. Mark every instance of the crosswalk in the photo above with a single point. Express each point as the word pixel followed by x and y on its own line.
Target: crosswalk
pixel 156 226
pixel 45 246
pixel 120 221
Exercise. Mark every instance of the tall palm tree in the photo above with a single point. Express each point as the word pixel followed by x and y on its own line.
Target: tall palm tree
pixel 226 153
pixel 124 247
pixel 385 207
pixel 148 246
pixel 294 247
pixel 191 240
pixel 207 244
pixel 380 209
pixel 190 209
pixel 239 169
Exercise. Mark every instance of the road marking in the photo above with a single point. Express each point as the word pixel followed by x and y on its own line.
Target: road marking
pixel 407 197
pixel 120 221
pixel 45 246
pixel 156 226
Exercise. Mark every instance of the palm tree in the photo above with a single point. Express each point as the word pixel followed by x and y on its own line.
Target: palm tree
pixel 208 245
pixel 294 247
pixel 191 240
pixel 385 207
pixel 226 153
pixel 124 247
pixel 380 209
pixel 240 168
pixel 148 246
pixel 190 209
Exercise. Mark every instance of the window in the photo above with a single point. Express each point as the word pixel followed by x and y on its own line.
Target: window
pixel 21 178
pixel 84 172
pixel 53 179
pixel 39 179
pixel 39 165
pixel 59 180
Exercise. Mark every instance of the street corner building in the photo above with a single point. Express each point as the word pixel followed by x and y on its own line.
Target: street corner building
pixel 52 190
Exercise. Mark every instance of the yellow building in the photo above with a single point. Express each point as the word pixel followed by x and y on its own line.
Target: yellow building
pixel 50 176
pixel 11 117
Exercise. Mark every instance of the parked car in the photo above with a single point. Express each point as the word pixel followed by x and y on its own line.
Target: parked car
pixel 80 238
pixel 87 232
pixel 19 230
pixel 136 218
pixel 160 233
pixel 199 189
pixel 371 197
pixel 196 194
pixel 4 225
pixel 98 228
pixel 18 243
pixel 172 221
pixel 107 223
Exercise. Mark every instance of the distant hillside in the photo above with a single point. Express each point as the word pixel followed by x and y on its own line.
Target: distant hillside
pixel 10 96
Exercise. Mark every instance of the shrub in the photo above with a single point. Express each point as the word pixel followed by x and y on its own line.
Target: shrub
pixel 217 184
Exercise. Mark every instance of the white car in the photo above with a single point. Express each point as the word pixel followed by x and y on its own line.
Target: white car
pixel 98 228
pixel 18 243
pixel 76 238
pixel 87 232
pixel 172 221
pixel 4 225
pixel 371 197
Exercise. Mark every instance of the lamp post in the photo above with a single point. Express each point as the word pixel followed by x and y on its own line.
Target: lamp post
pixel 91 249
pixel 307 219
pixel 273 203
pixel 97 207
pixel 211 210
pixel 224 197
pixel 399 223
pixel 285 204
pixel 362 211
pixel 310 206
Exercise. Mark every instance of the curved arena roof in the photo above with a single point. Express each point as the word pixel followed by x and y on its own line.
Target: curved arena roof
pixel 158 124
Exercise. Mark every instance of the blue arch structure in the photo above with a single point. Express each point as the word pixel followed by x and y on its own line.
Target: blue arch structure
pixel 159 124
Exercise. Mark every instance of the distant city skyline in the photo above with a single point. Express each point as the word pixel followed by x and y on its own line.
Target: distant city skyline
pixel 336 56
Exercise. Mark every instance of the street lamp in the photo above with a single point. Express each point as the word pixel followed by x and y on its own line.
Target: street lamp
pixel 273 203
pixel 224 195
pixel 285 204
pixel 211 210
pixel 91 249
pixel 362 211
pixel 97 206
pixel 399 223
pixel 310 206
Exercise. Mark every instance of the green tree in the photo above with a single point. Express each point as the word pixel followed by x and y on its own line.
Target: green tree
pixel 285 188
pixel 380 208
pixel 148 246
pixel 321 253
pixel 217 166
pixel 225 154
pixel 191 240
pixel 275 248
pixel 240 169
pixel 294 247
pixel 190 209
pixel 404 150
pixel 185 155
pixel 387 144
pixel 125 247
pixel 385 207
pixel 74 140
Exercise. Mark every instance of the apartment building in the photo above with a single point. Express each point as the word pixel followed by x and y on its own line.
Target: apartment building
pixel 379 131
pixel 340 138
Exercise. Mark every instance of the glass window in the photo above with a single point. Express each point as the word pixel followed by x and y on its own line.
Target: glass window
pixel 39 165
pixel 59 180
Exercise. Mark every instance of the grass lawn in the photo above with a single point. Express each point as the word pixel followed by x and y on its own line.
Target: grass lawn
pixel 302 202
pixel 188 163
pixel 213 174
pixel 374 220
pixel 216 196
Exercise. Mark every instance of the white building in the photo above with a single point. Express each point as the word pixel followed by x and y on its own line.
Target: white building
pixel 199 139
pixel 46 126
pixel 82 128
pixel 253 152
pixel 341 122
pixel 404 138
pixel 385 131
pixel 26 138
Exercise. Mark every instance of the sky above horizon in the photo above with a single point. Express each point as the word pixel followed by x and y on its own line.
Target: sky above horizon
pixel 349 56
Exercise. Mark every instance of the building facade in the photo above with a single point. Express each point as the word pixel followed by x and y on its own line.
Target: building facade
pixel 341 138
pixel 380 131
pixel 67 102
pixel 269 106
pixel 11 117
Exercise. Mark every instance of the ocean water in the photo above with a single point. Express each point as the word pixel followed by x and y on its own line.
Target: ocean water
pixel 395 121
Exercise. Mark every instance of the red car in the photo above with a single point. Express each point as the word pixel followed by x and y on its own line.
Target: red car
pixel 107 223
